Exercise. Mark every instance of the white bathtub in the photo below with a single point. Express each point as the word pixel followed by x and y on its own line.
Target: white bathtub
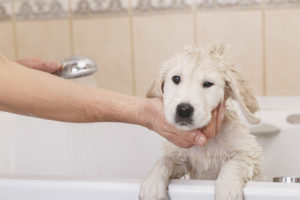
pixel 43 160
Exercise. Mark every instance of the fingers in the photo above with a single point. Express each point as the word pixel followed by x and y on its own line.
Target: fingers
pixel 52 67
pixel 178 140
pixel 210 129
pixel 36 63
pixel 220 115
pixel 186 139
pixel 200 139
pixel 195 137
pixel 217 118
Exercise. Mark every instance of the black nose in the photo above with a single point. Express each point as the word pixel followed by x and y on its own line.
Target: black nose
pixel 184 110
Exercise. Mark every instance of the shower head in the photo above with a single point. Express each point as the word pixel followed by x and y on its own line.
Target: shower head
pixel 76 67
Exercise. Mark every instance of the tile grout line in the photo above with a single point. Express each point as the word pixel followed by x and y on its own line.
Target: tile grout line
pixel 195 22
pixel 133 69
pixel 263 32
pixel 70 19
pixel 195 30
pixel 14 27
pixel 12 168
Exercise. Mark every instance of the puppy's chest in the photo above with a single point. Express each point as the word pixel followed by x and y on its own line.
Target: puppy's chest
pixel 207 161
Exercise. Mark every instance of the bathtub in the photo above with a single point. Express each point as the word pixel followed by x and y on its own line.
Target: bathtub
pixel 48 160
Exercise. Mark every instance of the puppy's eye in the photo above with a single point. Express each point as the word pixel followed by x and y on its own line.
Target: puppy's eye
pixel 207 84
pixel 176 79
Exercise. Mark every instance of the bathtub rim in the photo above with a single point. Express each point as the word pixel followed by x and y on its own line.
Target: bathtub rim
pixel 34 187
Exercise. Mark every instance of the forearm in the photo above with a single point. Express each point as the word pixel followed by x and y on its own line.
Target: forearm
pixel 35 93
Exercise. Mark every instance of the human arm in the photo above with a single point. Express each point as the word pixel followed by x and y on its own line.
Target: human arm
pixel 34 93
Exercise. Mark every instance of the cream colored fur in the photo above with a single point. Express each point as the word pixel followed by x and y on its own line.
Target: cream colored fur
pixel 233 157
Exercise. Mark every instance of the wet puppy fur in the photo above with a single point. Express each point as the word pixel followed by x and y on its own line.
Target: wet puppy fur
pixel 192 84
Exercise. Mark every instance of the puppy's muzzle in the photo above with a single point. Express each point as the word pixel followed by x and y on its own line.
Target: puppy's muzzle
pixel 184 112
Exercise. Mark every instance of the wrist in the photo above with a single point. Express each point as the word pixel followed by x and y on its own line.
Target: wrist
pixel 144 113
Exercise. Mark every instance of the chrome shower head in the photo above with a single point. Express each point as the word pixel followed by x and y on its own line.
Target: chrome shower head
pixel 76 67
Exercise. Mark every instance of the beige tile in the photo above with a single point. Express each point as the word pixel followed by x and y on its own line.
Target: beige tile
pixel 283 51
pixel 242 30
pixel 107 41
pixel 156 38
pixel 47 39
pixel 7 46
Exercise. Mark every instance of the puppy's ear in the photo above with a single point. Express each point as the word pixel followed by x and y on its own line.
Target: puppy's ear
pixel 157 87
pixel 236 88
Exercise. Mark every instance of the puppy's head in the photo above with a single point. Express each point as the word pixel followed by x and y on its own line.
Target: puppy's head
pixel 193 83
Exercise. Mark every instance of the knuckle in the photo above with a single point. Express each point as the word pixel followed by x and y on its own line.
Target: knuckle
pixel 191 137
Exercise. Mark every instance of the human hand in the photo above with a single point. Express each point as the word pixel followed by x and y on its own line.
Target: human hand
pixel 155 120
pixel 213 127
pixel 39 64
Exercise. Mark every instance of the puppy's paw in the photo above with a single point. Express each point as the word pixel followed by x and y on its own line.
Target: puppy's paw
pixel 153 190
pixel 229 192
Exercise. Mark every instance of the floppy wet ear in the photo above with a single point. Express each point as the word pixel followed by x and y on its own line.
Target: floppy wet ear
pixel 157 88
pixel 236 88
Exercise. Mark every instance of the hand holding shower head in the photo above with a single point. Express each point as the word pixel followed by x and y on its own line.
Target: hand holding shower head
pixel 76 67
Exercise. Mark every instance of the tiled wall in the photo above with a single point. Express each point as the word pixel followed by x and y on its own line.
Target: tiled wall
pixel 129 39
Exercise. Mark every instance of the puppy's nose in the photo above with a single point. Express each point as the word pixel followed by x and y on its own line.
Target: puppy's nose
pixel 184 110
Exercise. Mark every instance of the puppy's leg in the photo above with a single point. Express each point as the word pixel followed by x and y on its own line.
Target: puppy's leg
pixel 233 176
pixel 154 187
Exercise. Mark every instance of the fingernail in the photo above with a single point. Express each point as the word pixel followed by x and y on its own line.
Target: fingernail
pixel 200 140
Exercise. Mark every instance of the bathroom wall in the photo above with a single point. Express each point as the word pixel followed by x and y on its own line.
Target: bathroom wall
pixel 129 39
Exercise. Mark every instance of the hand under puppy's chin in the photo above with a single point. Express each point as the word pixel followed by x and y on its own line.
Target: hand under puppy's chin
pixel 194 126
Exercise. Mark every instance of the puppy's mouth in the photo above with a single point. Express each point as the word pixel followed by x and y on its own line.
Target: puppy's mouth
pixel 189 123
pixel 183 122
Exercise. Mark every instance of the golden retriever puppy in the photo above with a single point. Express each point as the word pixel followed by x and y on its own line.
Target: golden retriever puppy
pixel 192 84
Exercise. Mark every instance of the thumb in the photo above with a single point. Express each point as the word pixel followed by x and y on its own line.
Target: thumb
pixel 53 67
pixel 200 139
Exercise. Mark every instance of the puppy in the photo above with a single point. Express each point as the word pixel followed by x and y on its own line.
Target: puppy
pixel 192 85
